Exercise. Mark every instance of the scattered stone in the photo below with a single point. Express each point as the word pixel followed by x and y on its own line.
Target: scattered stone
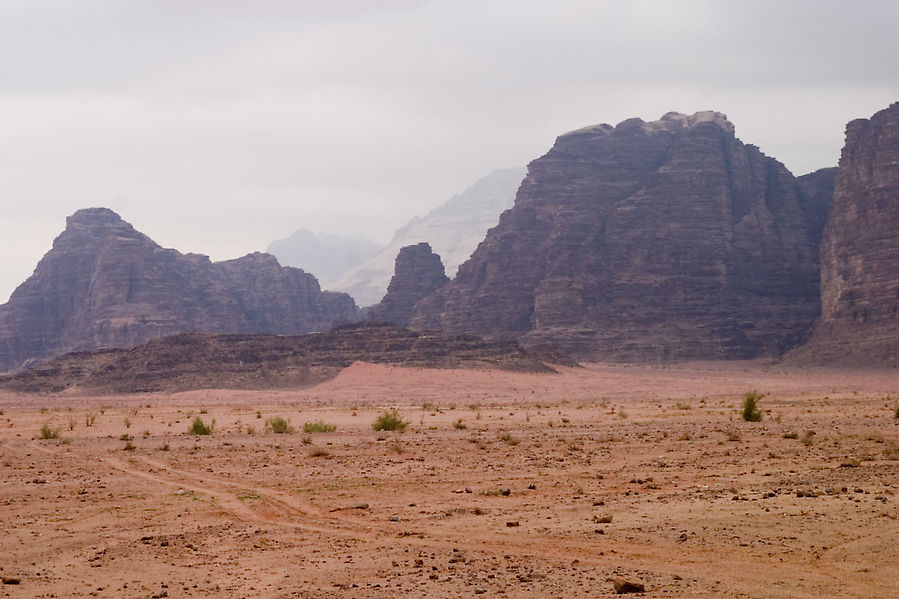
pixel 512 524
pixel 623 586
pixel 11 580
pixel 505 491
pixel 606 519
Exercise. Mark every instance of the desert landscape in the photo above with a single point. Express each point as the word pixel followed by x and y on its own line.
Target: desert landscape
pixel 502 484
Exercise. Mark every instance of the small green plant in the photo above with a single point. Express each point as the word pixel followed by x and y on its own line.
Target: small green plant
pixel 49 433
pixel 278 425
pixel 129 446
pixel 90 418
pixel 318 427
pixel 389 421
pixel 459 425
pixel 750 411
pixel 198 427
pixel 125 437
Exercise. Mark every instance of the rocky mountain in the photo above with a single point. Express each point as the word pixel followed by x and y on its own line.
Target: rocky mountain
pixel 326 257
pixel 453 230
pixel 418 272
pixel 859 323
pixel 104 284
pixel 656 240
pixel 203 360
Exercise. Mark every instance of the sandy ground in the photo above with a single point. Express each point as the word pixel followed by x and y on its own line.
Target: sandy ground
pixel 503 484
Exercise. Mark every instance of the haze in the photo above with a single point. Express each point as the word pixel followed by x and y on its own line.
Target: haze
pixel 217 127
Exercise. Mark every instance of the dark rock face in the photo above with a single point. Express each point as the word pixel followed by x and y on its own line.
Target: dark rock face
pixel 203 360
pixel 104 284
pixel 860 252
pixel 417 273
pixel 664 240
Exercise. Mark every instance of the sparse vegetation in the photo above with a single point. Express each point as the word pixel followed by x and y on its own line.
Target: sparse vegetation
pixel 49 433
pixel 127 423
pixel 459 425
pixel 278 425
pixel 319 452
pixel 318 427
pixel 90 418
pixel 198 427
pixel 750 411
pixel 791 435
pixel 389 421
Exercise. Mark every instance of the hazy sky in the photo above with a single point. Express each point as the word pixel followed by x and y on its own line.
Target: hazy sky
pixel 216 126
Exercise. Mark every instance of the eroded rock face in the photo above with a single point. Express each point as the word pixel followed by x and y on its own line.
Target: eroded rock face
pixel 860 252
pixel 663 240
pixel 418 272
pixel 204 360
pixel 104 284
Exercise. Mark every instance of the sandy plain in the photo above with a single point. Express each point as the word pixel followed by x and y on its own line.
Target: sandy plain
pixel 503 484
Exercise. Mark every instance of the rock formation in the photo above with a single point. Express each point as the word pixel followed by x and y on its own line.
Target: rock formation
pixel 326 257
pixel 657 240
pixel 418 272
pixel 859 323
pixel 454 230
pixel 104 284
pixel 203 360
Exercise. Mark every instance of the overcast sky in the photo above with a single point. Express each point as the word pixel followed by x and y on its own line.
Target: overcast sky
pixel 217 126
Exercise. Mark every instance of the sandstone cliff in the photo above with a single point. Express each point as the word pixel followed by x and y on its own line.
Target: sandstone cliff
pixel 104 284
pixel 453 229
pixel 663 240
pixel 859 323
pixel 418 272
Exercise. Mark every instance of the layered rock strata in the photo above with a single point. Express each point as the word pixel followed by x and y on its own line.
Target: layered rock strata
pixel 418 272
pixel 203 360
pixel 662 240
pixel 104 284
pixel 859 323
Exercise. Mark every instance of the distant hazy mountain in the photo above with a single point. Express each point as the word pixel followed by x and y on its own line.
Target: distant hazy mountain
pixel 325 256
pixel 453 230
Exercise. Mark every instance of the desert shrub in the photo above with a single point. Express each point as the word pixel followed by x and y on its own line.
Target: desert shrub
pixel 90 418
pixel 896 411
pixel 459 425
pixel 319 452
pixel 318 427
pixel 198 427
pixel 49 433
pixel 389 421
pixel 278 425
pixel 129 446
pixel 750 411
